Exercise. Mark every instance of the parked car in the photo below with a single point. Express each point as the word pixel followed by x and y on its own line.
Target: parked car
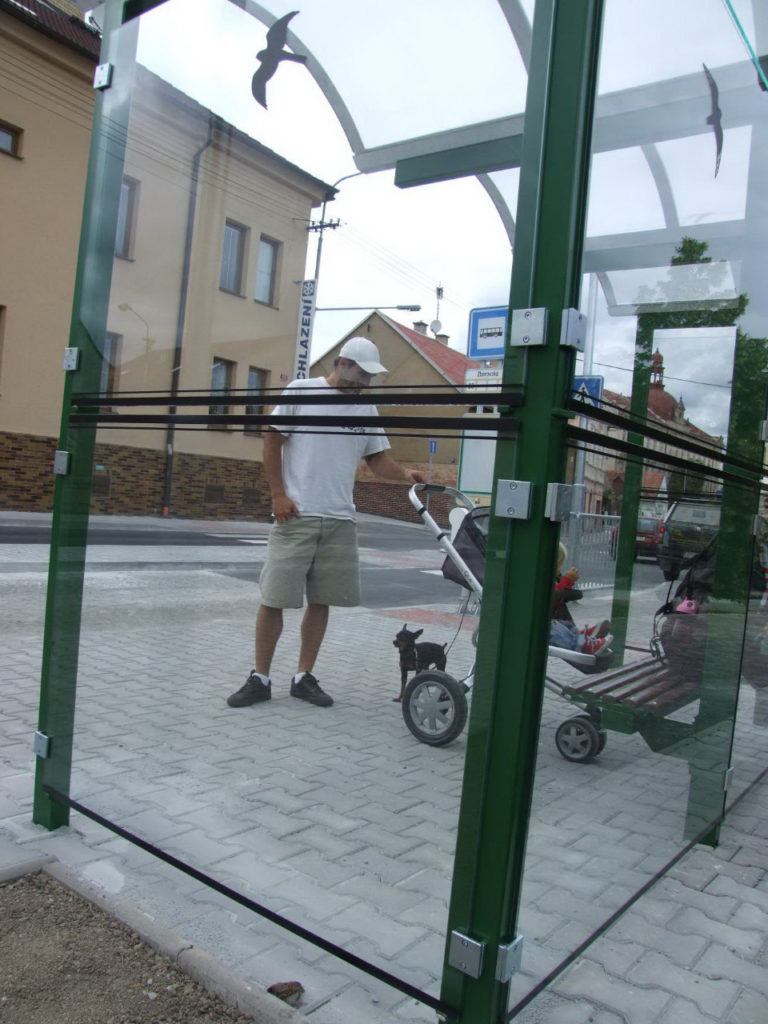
pixel 647 537
pixel 687 528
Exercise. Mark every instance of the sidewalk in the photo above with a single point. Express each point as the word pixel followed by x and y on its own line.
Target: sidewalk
pixel 339 820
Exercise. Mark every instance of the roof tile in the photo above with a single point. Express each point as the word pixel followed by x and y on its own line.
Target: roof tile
pixel 69 28
pixel 452 364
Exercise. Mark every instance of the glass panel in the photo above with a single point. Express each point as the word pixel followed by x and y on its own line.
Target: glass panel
pixel 660 584
pixel 487 77
pixel 335 817
pixel 110 367
pixel 232 251
pixel 266 270
pixel 257 384
pixel 222 373
pixel 7 140
pixel 126 218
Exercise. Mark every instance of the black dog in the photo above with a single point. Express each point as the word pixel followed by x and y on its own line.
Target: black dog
pixel 416 657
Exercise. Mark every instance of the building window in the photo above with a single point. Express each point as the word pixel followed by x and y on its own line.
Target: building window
pixel 10 139
pixel 222 375
pixel 233 258
pixel 257 382
pixel 266 271
pixel 109 377
pixel 126 218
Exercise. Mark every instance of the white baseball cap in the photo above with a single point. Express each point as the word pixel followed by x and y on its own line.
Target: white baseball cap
pixel 364 353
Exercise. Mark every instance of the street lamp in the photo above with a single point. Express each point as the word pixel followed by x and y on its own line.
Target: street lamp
pixel 124 307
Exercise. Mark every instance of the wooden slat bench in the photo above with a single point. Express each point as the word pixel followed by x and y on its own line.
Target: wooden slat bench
pixel 629 699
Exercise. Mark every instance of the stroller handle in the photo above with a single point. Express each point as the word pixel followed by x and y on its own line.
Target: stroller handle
pixel 459 497
pixel 442 536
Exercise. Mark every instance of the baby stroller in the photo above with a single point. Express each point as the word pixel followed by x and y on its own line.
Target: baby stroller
pixel 434 703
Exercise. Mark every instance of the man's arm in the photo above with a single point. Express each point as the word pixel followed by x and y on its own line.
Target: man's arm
pixel 383 465
pixel 282 506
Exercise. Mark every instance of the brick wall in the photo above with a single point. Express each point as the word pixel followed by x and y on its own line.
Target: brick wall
pixel 126 481
pixel 26 472
pixel 208 488
pixel 383 499
pixel 129 481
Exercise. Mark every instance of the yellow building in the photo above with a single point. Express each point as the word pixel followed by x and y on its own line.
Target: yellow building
pixel 213 307
pixel 46 105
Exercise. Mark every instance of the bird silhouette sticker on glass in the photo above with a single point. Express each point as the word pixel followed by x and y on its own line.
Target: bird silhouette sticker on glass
pixel 716 117
pixel 270 57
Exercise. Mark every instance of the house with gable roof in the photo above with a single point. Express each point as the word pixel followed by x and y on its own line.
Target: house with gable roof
pixel 414 359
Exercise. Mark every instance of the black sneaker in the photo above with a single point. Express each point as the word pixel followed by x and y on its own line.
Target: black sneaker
pixel 308 689
pixel 252 692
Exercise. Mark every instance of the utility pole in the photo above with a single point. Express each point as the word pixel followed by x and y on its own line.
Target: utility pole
pixel 308 298
pixel 322 224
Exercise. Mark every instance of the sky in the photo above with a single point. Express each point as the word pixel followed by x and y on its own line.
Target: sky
pixel 415 75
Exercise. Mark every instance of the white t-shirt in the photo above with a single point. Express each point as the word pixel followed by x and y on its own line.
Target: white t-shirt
pixel 319 463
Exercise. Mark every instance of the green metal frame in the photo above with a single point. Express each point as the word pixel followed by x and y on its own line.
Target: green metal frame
pixel 503 731
pixel 72 493
pixel 482 157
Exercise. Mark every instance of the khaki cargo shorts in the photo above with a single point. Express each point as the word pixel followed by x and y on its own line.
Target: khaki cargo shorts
pixel 315 555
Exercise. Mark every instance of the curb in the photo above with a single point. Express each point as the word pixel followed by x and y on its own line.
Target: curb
pixel 195 963
pixel 33 866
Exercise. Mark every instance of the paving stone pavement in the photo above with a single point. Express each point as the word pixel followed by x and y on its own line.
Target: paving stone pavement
pixel 340 821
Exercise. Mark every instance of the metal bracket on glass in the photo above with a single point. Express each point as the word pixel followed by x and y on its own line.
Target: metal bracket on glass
pixel 573 330
pixel 509 959
pixel 61 462
pixel 71 358
pixel 41 745
pixel 562 500
pixel 466 954
pixel 513 499
pixel 102 76
pixel 727 779
pixel 529 328
pixel 764 430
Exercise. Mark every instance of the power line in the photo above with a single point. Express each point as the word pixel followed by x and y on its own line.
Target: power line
pixel 667 376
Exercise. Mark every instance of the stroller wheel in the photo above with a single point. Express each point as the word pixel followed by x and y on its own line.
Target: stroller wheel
pixel 602 735
pixel 434 707
pixel 577 739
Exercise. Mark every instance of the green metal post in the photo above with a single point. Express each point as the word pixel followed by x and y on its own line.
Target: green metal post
pixel 633 484
pixel 520 561
pixel 72 492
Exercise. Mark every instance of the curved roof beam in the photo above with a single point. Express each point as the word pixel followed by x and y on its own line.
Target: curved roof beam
pixel 501 205
pixel 663 184
pixel 521 28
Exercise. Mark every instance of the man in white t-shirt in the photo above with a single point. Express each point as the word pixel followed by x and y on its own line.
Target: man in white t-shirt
pixel 312 547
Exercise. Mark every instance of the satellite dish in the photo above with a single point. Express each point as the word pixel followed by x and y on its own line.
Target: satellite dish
pixel 435 327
